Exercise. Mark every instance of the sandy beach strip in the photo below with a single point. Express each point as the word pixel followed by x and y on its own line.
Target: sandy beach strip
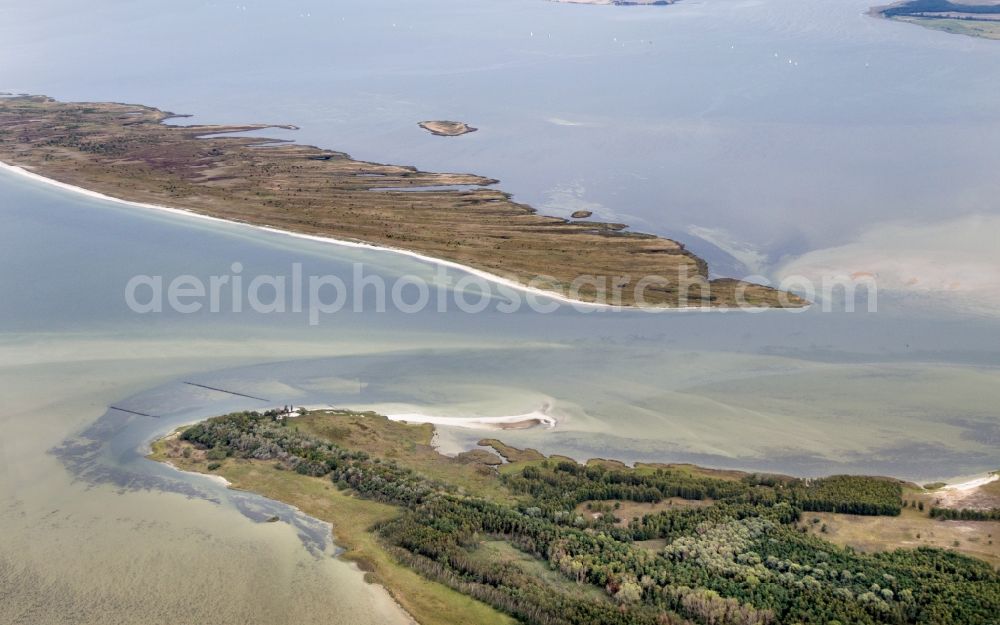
pixel 971 485
pixel 485 275
pixel 509 422
pixel 218 479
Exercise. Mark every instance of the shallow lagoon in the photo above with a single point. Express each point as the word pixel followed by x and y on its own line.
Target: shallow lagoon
pixel 88 520
pixel 707 133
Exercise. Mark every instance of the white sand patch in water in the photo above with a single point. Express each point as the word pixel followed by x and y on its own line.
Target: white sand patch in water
pixel 955 263
pixel 508 422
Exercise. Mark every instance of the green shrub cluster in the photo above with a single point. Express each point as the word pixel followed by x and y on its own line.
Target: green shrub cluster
pixel 738 561
pixel 965 514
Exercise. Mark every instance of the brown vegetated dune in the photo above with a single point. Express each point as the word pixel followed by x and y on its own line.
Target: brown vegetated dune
pixel 125 151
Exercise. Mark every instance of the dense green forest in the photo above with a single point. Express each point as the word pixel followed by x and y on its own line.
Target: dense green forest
pixel 565 484
pixel 735 559
pixel 918 7
pixel 965 514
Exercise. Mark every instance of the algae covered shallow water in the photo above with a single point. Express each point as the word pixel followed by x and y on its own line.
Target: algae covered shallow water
pixel 699 137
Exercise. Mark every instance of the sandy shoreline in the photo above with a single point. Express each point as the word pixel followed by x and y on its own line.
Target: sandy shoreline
pixel 511 284
pixel 966 494
pixel 965 487
pixel 333 534
pixel 215 478
pixel 509 422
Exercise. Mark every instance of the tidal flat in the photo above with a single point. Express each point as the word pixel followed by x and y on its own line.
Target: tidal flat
pixel 697 108
pixel 612 384
pixel 126 152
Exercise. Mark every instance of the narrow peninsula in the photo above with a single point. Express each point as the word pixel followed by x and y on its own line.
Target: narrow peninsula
pixel 976 18
pixel 500 535
pixel 126 151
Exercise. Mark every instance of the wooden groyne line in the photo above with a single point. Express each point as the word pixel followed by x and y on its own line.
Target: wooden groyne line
pixel 222 390
pixel 135 412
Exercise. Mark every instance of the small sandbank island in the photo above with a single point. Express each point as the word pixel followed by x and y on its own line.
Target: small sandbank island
pixel 446 128
pixel 976 18
pixel 619 2
pixel 126 152
pixel 503 535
